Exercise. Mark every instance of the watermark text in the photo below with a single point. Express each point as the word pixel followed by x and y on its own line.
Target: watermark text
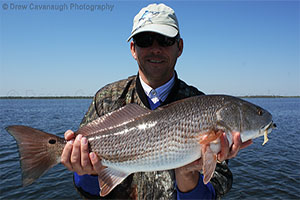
pixel 68 6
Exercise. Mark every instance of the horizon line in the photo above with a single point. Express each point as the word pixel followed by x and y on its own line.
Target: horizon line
pixel 89 97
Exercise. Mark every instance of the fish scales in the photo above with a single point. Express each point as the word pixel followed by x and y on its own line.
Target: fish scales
pixel 159 140
pixel 133 139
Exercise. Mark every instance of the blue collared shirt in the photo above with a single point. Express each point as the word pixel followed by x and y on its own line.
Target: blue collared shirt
pixel 90 183
pixel 160 93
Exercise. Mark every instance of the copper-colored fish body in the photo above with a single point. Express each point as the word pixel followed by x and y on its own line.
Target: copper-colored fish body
pixel 134 139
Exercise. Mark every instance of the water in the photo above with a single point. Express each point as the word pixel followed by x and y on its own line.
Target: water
pixel 50 115
pixel 260 172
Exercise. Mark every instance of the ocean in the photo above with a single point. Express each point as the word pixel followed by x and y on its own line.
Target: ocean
pixel 271 171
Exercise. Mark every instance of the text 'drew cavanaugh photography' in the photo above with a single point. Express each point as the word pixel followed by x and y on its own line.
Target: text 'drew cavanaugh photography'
pixel 94 6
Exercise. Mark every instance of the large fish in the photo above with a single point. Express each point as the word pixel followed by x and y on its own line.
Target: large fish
pixel 134 139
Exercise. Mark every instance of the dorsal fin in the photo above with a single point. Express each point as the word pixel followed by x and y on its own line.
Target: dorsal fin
pixel 114 119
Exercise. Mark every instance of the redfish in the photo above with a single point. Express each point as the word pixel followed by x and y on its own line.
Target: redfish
pixel 134 139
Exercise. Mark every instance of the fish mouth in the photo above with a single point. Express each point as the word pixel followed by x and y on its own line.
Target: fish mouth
pixel 269 127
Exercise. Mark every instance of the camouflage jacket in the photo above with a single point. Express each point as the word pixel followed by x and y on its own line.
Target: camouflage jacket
pixel 148 185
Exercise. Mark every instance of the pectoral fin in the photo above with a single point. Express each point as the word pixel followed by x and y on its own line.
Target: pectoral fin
pixel 210 136
pixel 108 179
pixel 209 163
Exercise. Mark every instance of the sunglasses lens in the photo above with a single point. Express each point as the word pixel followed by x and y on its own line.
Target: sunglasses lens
pixel 146 40
pixel 165 41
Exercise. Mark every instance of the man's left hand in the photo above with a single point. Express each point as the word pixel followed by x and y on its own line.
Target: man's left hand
pixel 187 176
pixel 230 152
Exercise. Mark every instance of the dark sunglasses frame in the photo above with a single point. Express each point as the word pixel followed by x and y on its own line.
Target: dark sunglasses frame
pixel 146 39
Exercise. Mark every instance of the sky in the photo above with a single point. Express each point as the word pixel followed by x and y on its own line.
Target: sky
pixel 230 47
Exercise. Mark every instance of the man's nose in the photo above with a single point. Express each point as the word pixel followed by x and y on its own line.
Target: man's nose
pixel 156 48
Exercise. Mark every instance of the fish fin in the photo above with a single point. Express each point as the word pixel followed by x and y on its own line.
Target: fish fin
pixel 114 119
pixel 108 179
pixel 39 151
pixel 210 136
pixel 209 163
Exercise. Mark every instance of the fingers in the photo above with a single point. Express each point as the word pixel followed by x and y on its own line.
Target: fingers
pixel 231 152
pixel 69 135
pixel 85 159
pixel 194 166
pixel 223 154
pixel 246 144
pixel 66 154
pixel 236 144
pixel 75 156
pixel 97 166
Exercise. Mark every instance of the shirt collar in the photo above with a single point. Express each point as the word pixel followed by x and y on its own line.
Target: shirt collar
pixel 160 93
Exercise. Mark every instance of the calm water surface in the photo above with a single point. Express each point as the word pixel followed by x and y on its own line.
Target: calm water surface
pixel 271 171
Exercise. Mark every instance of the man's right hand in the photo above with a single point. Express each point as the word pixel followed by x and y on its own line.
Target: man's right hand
pixel 76 157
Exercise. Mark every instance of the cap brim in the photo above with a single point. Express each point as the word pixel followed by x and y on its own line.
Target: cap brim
pixel 163 29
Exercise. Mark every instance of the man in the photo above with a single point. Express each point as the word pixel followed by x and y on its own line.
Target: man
pixel 156 46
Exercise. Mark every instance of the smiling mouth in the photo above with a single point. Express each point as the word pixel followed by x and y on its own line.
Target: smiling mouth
pixel 155 61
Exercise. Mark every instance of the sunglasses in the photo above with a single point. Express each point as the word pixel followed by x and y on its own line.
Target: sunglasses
pixel 146 39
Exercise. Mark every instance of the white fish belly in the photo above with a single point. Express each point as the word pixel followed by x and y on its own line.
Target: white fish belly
pixel 171 157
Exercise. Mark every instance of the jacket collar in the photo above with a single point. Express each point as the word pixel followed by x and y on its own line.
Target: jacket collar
pixel 141 93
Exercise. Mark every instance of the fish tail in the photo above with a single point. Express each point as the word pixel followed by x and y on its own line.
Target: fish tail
pixel 39 151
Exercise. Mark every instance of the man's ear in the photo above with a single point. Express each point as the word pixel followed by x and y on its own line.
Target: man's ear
pixel 132 49
pixel 180 47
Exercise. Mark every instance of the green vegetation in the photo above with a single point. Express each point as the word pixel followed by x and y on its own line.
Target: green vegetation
pixel 90 97
pixel 47 97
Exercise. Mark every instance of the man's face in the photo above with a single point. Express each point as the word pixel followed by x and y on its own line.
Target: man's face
pixel 156 61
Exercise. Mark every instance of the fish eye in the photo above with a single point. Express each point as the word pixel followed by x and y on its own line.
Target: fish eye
pixel 52 141
pixel 259 112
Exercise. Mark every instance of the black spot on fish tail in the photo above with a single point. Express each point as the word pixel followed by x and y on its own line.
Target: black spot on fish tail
pixel 38 150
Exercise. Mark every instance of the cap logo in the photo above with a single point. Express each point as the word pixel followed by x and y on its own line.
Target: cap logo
pixel 146 17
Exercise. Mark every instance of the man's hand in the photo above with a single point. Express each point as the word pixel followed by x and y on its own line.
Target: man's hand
pixel 230 152
pixel 76 157
pixel 187 176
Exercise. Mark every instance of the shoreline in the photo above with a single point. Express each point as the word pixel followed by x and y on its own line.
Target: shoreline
pixel 90 97
pixel 47 97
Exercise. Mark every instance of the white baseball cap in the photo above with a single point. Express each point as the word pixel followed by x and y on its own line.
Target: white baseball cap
pixel 157 18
